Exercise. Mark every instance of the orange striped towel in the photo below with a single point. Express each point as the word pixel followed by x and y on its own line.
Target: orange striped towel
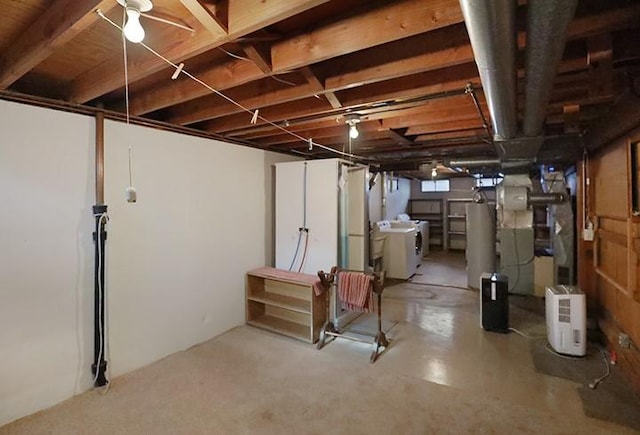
pixel 356 291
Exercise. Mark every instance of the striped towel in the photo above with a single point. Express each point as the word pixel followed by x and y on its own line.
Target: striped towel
pixel 356 291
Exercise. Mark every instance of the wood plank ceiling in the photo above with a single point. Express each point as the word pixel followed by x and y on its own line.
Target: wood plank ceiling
pixel 400 67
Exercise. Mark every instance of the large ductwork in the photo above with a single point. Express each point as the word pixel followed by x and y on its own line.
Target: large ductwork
pixel 547 22
pixel 492 31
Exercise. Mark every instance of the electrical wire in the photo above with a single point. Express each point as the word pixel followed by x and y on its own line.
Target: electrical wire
pixel 286 82
pixel 304 253
pixel 235 56
pixel 304 197
pixel 529 337
pixel 595 383
pixel 559 355
pixel 303 229
pixel 231 100
pixel 295 255
pixel 431 284
pixel 126 82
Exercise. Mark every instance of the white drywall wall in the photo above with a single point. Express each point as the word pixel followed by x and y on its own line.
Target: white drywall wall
pixel 176 259
pixel 270 159
pixel 46 259
pixel 398 199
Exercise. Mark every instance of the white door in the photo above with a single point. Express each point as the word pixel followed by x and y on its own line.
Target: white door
pixel 358 218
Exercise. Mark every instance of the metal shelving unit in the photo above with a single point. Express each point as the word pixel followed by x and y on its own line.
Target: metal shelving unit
pixel 429 210
pixel 456 223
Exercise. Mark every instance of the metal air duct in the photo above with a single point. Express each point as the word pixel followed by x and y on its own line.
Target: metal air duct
pixel 492 31
pixel 547 22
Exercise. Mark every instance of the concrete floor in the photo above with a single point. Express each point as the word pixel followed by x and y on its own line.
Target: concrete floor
pixel 441 374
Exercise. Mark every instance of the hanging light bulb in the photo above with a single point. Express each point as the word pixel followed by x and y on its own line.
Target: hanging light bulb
pixel 434 173
pixel 133 30
pixel 352 120
pixel 353 131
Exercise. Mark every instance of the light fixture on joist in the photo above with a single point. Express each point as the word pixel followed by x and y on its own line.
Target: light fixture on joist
pixel 352 120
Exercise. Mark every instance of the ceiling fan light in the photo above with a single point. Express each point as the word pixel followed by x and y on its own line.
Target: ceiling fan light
pixel 353 132
pixel 133 30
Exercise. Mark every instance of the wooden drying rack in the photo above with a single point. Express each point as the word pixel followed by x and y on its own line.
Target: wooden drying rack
pixel 329 282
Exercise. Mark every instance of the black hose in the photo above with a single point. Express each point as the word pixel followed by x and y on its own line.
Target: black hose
pixel 99 366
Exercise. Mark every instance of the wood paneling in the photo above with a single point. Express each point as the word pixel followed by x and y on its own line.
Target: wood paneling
pixel 611 183
pixel 616 251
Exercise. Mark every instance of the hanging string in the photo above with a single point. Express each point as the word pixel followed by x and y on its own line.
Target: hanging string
pixel 126 81
pixel 232 101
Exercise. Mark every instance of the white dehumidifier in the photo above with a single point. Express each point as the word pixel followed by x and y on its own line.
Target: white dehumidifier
pixel 566 312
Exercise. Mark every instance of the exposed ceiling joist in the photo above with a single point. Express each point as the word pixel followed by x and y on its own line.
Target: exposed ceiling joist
pixel 214 25
pixel 61 22
pixel 390 22
pixel 245 16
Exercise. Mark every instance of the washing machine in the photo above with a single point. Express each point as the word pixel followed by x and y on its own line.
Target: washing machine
pixel 422 227
pixel 399 259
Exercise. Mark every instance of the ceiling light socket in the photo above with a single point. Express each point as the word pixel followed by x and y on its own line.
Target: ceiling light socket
pixel 131 194
pixel 141 5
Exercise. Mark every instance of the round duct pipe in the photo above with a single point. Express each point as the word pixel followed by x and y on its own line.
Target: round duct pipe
pixel 492 30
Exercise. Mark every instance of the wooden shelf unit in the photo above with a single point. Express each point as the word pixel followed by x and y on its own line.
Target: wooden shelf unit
pixel 429 210
pixel 286 305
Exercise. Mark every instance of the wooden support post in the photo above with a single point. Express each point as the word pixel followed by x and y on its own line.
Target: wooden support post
pixel 99 158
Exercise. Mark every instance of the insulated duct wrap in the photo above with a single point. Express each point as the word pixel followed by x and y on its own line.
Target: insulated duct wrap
pixel 492 31
pixel 481 241
pixel 547 22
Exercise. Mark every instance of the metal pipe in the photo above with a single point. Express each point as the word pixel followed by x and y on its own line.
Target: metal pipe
pixel 547 22
pixel 541 198
pixel 472 163
pixel 492 30
pixel 469 90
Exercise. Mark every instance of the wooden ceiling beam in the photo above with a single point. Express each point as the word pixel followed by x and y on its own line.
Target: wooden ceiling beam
pixel 390 22
pixel 416 85
pixel 425 52
pixel 298 128
pixel 61 21
pixel 472 133
pixel 200 109
pixel 296 110
pixel 409 120
pixel 245 17
pixel 212 106
pixel 398 135
pixel 313 80
pixel 260 56
pixel 282 112
pixel 448 47
pixel 181 92
pixel 229 74
pixel 216 26
pixel 337 130
pixel 607 21
pixel 340 138
pixel 443 127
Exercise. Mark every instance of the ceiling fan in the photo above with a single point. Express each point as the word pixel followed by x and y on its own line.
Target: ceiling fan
pixel 133 30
